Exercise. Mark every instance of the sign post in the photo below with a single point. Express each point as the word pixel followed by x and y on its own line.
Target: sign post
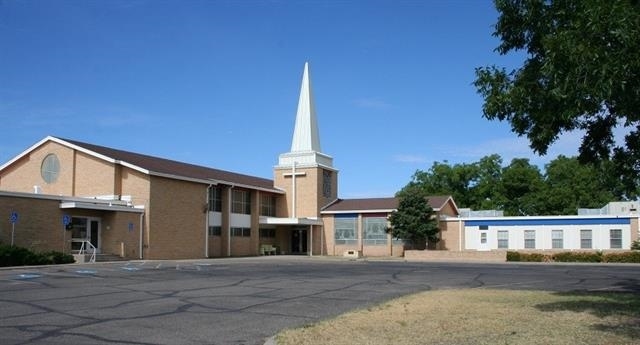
pixel 13 218
pixel 66 220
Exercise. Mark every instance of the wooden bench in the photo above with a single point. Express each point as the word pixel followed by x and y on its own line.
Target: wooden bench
pixel 267 249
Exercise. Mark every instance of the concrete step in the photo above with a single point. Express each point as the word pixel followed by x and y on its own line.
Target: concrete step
pixel 108 257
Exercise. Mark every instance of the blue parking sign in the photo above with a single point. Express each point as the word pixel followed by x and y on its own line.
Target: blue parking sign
pixel 13 218
pixel 66 220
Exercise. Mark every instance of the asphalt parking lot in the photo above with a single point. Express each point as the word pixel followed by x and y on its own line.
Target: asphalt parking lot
pixel 243 301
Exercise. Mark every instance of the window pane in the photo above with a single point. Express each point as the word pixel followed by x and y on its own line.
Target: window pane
pixel 503 239
pixel 267 205
pixel 529 239
pixel 241 202
pixel 615 238
pixel 215 230
pixel 215 199
pixel 585 239
pixel 241 232
pixel 375 230
pixel 268 233
pixel 557 239
pixel 345 231
pixel 50 168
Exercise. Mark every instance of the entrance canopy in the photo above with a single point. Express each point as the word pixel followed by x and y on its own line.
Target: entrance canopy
pixel 98 204
pixel 290 221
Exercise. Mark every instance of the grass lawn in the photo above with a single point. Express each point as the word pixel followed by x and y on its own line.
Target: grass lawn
pixel 479 316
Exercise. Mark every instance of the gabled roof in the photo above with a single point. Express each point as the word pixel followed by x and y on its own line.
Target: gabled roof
pixel 372 205
pixel 160 167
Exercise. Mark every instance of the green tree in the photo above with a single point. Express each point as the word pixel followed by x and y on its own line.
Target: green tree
pixel 443 179
pixel 581 72
pixel 487 195
pixel 522 188
pixel 571 185
pixel 414 220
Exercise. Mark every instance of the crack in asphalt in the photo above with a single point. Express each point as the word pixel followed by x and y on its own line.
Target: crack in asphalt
pixel 284 294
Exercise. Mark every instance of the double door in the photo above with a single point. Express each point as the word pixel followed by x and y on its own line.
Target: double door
pixel 85 229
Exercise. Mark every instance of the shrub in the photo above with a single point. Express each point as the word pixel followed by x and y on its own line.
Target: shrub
pixel 18 256
pixel 627 257
pixel 577 257
pixel 513 256
pixel 635 245
pixel 533 257
pixel 527 257
pixel 54 257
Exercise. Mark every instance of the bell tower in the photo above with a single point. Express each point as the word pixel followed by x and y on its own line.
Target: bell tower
pixel 305 173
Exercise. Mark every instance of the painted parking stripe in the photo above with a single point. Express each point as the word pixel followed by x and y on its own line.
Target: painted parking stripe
pixel 29 275
pixel 130 269
pixel 86 271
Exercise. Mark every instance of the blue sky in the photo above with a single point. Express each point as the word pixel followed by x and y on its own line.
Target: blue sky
pixel 216 83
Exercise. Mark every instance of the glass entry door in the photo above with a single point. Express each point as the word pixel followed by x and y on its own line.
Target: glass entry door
pixel 298 241
pixel 85 229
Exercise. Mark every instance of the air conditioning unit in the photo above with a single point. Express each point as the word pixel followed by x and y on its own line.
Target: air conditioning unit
pixel 353 254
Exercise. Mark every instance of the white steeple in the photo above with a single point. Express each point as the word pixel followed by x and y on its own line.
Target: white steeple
pixel 305 146
pixel 305 134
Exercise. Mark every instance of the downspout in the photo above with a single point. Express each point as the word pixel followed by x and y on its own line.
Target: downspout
pixel 311 240
pixel 229 222
pixel 459 234
pixel 206 222
pixel 322 240
pixel 141 237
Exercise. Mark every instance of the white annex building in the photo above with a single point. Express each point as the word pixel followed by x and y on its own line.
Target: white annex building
pixel 612 227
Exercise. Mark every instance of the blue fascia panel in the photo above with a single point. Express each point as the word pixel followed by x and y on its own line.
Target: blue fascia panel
pixel 345 215
pixel 534 221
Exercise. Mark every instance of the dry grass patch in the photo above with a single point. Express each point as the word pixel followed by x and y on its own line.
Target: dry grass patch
pixel 483 317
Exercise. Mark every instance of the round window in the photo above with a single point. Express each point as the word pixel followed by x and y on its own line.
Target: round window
pixel 50 168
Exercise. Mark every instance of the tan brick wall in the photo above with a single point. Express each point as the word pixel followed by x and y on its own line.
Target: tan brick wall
pixel 23 174
pixel 448 209
pixel 226 222
pixel 215 246
pixel 93 176
pixel 634 229
pixel 116 236
pixel 241 246
pixel 450 235
pixel 177 219
pixel 375 250
pixel 465 256
pixel 329 238
pixel 309 196
pixel 39 225
pixel 283 238
pixel 40 228
pixel 254 243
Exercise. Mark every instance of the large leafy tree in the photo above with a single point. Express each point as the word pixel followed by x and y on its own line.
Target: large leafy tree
pixel 581 72
pixel 471 185
pixel 571 185
pixel 414 220
pixel 457 180
pixel 522 188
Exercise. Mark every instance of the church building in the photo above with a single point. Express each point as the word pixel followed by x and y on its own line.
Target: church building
pixel 66 195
